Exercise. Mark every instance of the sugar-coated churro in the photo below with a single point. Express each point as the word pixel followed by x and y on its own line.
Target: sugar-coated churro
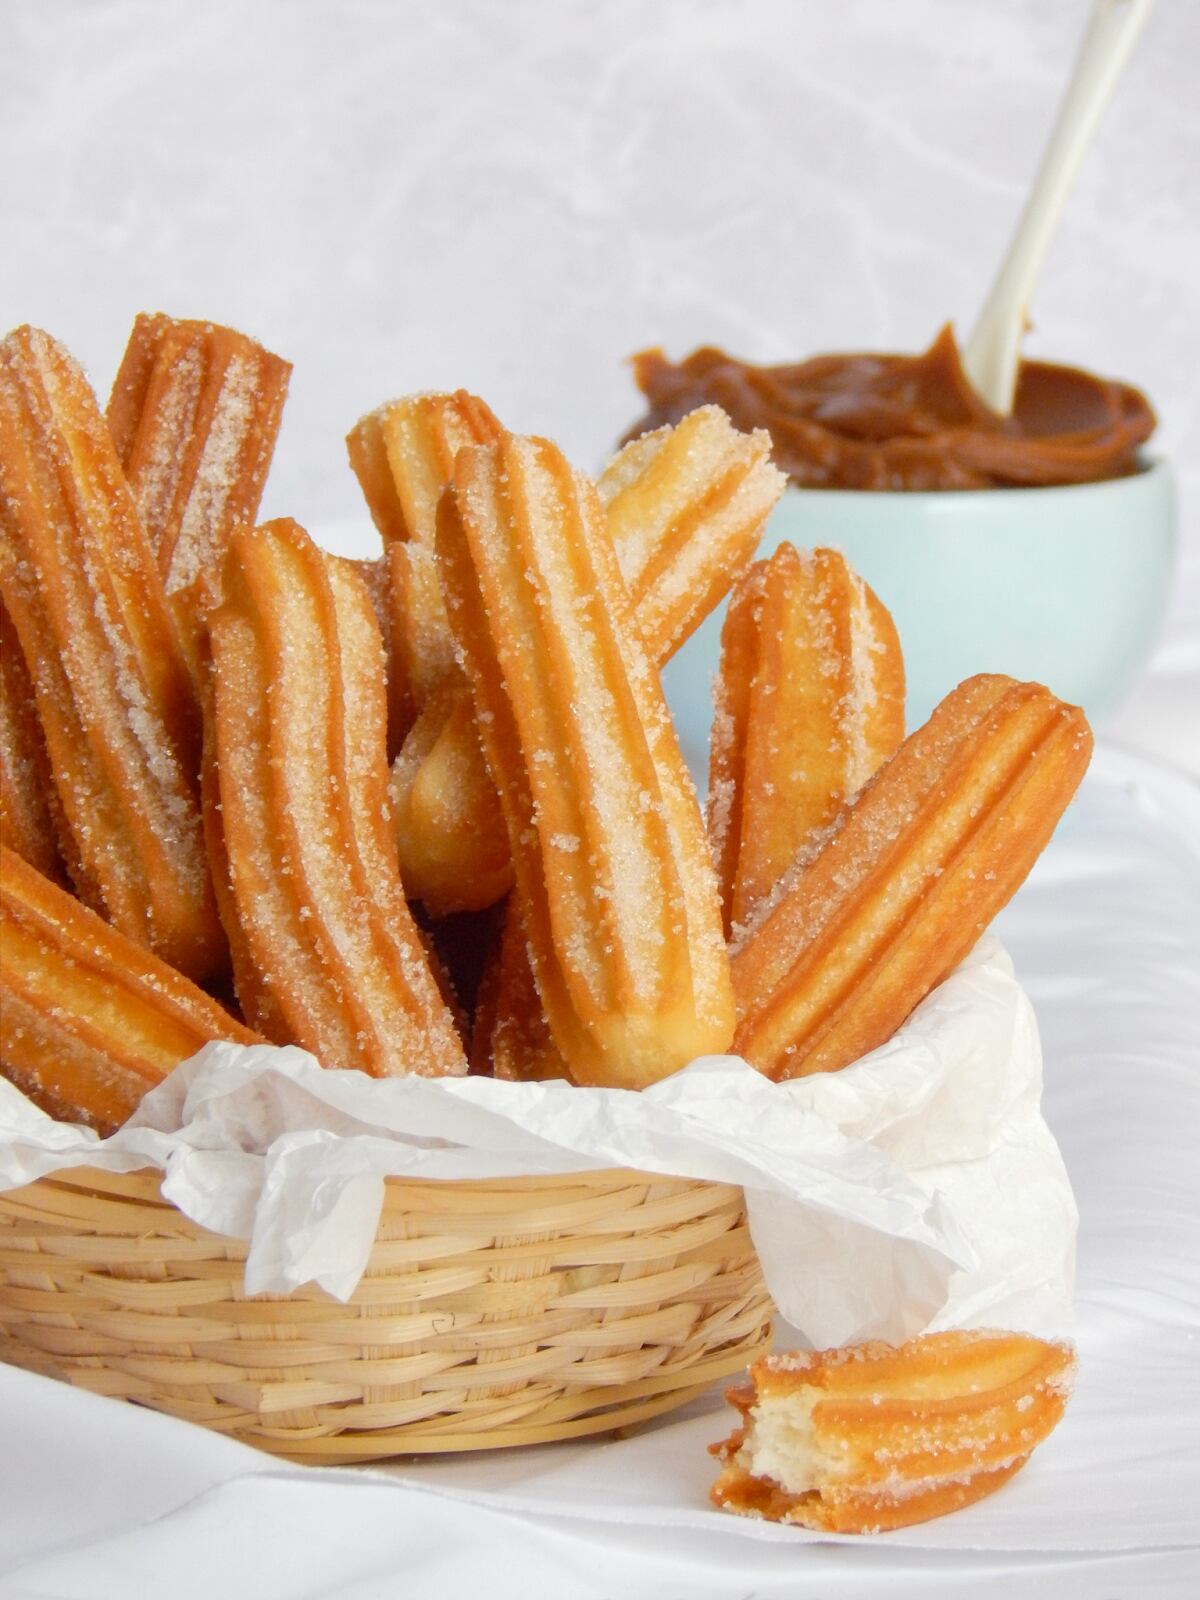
pixel 298 749
pixel 685 509
pixel 914 870
pixel 809 703
pixel 617 890
pixel 89 1020
pixel 27 797
pixel 194 414
pixel 441 793
pixel 403 455
pixel 874 1436
pixel 511 1037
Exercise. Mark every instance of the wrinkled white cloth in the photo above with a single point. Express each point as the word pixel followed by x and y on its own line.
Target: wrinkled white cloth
pixel 871 1193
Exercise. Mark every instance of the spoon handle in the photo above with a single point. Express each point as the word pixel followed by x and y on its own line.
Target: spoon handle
pixel 991 353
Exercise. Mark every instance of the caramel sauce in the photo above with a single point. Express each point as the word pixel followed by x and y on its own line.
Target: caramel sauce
pixel 909 422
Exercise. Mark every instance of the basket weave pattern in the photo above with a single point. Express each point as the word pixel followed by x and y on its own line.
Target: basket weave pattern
pixel 499 1312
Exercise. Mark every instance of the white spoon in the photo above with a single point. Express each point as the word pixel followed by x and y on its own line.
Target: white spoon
pixel 991 353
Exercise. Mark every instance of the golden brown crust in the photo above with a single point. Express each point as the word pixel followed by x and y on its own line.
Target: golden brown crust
pixel 612 870
pixel 298 729
pixel 915 869
pixel 881 1437
pixel 194 414
pixel 685 509
pixel 403 455
pixel 809 703
pixel 27 796
pixel 114 696
pixel 89 1020
pixel 443 795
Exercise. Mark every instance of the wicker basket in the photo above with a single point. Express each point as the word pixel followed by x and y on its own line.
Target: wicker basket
pixel 493 1313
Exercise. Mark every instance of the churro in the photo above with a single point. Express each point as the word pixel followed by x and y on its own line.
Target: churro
pixel 441 793
pixel 113 694
pixel 403 455
pixel 511 1037
pixel 617 890
pixel 27 796
pixel 422 652
pixel 89 1020
pixel 194 414
pixel 685 509
pixel 913 871
pixel 809 703
pixel 874 1437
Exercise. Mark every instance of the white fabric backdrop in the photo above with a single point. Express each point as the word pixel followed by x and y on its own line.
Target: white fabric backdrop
pixel 397 195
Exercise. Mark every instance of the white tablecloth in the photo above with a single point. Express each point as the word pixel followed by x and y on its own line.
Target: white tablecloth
pixel 100 1499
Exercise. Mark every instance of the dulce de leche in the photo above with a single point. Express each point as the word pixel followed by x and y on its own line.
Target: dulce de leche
pixel 866 421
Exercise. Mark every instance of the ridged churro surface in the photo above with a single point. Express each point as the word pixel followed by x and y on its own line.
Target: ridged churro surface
pixel 113 693
pixel 298 757
pixel 616 885
pixel 89 1020
pixel 809 701
pixel 913 871
pixel 194 414
pixel 403 456
pixel 685 508
pixel 27 797
pixel 873 1437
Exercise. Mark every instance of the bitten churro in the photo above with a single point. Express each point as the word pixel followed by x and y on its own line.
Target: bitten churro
pixel 616 885
pixel 875 1437
pixel 297 749
pixel 686 508
pixel 194 415
pixel 113 694
pixel 915 869
pixel 809 703
pixel 89 1020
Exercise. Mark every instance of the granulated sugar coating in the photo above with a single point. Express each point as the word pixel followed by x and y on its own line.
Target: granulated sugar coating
pixel 809 702
pixel 916 866
pixel 875 1436
pixel 27 797
pixel 299 730
pixel 624 930
pixel 113 694
pixel 221 393
pixel 686 507
pixel 90 1020
pixel 403 456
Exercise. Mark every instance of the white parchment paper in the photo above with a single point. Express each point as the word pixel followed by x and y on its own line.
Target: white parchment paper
pixel 918 1188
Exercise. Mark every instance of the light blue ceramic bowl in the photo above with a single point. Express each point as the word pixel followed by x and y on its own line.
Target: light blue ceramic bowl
pixel 1065 586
